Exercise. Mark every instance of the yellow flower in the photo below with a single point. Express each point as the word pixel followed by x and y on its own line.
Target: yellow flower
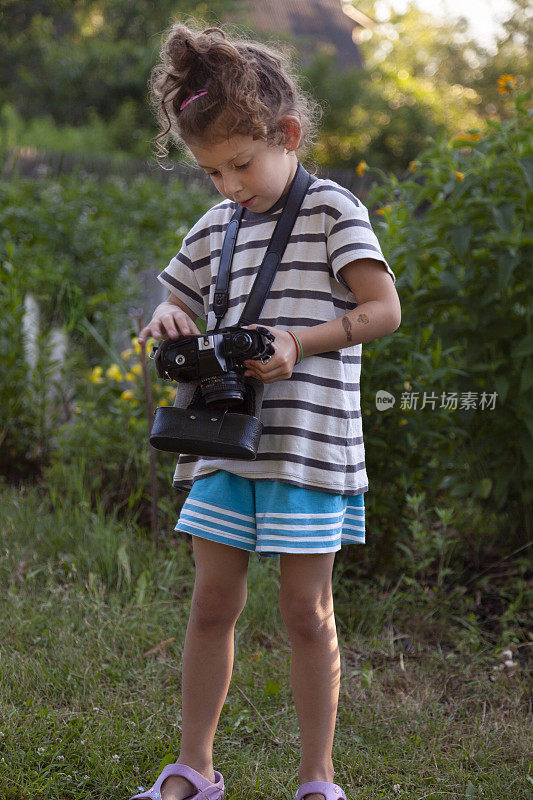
pixel 130 376
pixel 96 375
pixel 137 369
pixel 126 354
pixel 459 176
pixel 136 345
pixel 127 394
pixel 382 210
pixel 361 168
pixel 470 137
pixel 164 402
pixel 379 211
pixel 114 372
pixel 413 165
pixel 506 82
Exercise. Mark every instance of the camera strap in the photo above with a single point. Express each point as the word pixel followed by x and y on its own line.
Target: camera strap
pixel 271 260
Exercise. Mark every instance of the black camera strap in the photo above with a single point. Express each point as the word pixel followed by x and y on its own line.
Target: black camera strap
pixel 271 261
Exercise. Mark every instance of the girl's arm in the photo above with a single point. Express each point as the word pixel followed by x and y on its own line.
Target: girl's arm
pixel 378 312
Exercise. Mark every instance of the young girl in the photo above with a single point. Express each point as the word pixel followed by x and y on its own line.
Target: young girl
pixel 236 108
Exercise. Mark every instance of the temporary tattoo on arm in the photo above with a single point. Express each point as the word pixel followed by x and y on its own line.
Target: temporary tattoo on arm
pixel 363 318
pixel 347 325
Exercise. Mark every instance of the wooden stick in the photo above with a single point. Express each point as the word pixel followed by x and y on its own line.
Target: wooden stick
pixel 137 314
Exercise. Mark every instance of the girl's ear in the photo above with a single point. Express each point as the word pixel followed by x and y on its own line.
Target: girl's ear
pixel 292 131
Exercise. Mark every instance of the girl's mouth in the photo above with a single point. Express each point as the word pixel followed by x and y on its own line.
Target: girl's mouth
pixel 246 203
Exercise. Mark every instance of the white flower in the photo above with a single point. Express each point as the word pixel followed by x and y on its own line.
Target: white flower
pixel 115 757
pixel 61 758
pixel 396 788
pixel 40 749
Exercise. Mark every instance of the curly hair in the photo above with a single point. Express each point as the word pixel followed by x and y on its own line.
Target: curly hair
pixel 247 87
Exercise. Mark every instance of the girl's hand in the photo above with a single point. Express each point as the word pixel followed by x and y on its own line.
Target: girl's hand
pixel 169 321
pixel 281 364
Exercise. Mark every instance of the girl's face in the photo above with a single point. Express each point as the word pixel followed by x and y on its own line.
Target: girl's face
pixel 248 170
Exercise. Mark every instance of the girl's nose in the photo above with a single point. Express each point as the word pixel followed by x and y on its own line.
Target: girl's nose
pixel 232 185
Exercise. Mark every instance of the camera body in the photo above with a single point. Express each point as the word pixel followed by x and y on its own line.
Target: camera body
pixel 215 360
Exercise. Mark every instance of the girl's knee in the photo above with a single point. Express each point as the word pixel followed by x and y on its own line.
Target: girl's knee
pixel 306 616
pixel 220 587
pixel 217 604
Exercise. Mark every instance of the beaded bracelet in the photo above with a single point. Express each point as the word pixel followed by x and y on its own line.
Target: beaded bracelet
pixel 299 348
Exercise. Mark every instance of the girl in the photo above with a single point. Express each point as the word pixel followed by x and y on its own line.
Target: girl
pixel 234 106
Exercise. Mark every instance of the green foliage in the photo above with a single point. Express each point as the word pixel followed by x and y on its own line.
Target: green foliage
pixel 66 59
pixel 107 441
pixel 121 136
pixel 31 396
pixel 78 242
pixel 456 229
pixel 78 72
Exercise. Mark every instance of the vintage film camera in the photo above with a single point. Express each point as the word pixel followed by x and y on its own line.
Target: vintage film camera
pixel 219 418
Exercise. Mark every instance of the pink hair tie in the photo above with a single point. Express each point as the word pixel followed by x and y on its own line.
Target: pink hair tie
pixel 192 97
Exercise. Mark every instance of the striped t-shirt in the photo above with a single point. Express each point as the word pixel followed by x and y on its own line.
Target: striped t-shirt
pixel 312 426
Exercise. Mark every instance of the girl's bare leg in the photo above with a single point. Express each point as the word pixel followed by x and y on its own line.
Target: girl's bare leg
pixel 306 604
pixel 218 599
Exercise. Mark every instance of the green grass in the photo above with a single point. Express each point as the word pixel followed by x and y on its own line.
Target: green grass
pixel 86 714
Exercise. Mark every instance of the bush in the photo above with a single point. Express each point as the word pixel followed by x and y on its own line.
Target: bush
pixel 76 244
pixel 455 230
pixel 107 440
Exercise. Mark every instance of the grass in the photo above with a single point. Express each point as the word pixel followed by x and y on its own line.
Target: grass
pixel 92 623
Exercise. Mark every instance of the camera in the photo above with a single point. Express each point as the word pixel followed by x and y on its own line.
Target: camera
pixel 216 411
pixel 215 360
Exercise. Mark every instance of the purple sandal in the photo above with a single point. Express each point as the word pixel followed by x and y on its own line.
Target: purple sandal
pixel 206 789
pixel 330 790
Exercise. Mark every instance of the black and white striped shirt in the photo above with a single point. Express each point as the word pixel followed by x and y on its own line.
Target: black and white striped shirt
pixel 312 425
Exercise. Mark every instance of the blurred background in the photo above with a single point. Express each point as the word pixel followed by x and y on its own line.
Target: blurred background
pixel 74 74
pixel 426 115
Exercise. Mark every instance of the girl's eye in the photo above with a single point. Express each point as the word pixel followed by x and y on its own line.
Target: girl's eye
pixel 239 166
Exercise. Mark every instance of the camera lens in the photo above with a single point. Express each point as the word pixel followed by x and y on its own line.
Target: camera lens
pixel 223 390
pixel 241 342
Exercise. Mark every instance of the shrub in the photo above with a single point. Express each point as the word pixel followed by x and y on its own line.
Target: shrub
pixel 456 231
pixel 107 440
pixel 77 244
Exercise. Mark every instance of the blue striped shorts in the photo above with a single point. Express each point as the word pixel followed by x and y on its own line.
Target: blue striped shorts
pixel 271 517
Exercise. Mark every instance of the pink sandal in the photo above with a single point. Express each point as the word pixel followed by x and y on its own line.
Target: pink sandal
pixel 206 789
pixel 330 790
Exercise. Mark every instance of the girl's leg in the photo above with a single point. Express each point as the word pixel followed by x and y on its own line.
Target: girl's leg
pixel 306 605
pixel 219 596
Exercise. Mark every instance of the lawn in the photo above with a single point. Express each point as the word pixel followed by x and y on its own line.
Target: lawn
pixel 92 623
